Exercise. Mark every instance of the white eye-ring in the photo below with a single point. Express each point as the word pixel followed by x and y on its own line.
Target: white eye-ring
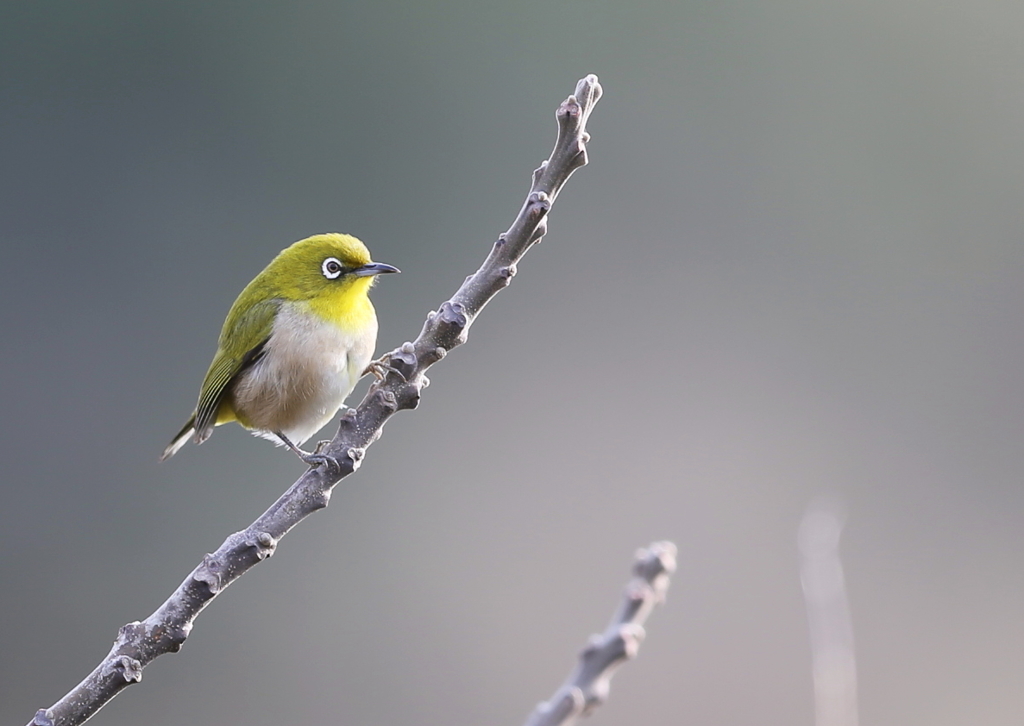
pixel 332 268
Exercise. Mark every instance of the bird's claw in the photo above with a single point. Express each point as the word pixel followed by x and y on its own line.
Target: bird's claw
pixel 317 460
pixel 381 367
pixel 314 459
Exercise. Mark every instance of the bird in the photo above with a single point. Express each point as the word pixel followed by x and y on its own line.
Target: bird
pixel 293 346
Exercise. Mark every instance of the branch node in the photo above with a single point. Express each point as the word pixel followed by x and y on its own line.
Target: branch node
pixel 655 563
pixel 434 356
pixel 537 207
pixel 409 394
pixel 598 693
pixel 580 159
pixel 125 666
pixel 264 544
pixel 638 591
pixel 507 273
pixel 207 574
pixel 42 718
pixel 130 633
pixel 355 455
pixel 403 360
pixel 348 421
pixel 594 643
pixel 539 231
pixel 452 322
pixel 577 699
pixel 631 635
pixel 540 203
pixel 539 172
pixel 569 110
pixel 388 400
pixel 571 702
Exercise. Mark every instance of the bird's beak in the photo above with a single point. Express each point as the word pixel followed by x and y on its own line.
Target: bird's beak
pixel 374 268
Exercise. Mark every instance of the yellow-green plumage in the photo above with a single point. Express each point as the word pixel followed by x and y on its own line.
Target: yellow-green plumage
pixel 293 345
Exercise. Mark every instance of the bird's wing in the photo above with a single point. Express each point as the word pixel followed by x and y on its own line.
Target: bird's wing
pixel 247 332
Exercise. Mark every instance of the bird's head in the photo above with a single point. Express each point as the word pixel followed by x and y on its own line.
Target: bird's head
pixel 324 267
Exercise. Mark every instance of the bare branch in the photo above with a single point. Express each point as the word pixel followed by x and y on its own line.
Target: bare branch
pixel 588 686
pixel 164 631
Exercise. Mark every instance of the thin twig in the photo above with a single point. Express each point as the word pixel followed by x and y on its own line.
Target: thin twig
pixel 164 631
pixel 588 686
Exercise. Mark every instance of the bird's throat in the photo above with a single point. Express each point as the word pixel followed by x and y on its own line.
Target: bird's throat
pixel 348 306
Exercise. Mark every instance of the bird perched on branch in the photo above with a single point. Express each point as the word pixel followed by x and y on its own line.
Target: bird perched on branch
pixel 293 346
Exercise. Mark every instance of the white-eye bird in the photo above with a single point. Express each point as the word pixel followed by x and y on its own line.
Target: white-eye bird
pixel 293 346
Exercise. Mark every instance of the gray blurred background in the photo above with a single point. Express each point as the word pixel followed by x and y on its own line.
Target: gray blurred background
pixel 793 268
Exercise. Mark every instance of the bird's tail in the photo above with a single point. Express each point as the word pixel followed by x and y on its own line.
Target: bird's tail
pixel 180 440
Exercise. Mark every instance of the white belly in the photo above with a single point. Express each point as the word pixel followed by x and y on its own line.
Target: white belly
pixel 308 368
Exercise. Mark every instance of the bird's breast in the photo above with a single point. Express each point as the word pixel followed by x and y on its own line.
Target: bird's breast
pixel 308 368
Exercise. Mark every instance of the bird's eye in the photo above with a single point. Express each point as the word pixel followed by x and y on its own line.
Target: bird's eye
pixel 332 268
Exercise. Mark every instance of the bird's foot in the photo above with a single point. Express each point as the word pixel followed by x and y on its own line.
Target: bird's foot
pixel 314 459
pixel 381 367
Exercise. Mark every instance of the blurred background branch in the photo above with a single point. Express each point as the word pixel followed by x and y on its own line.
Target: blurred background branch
pixel 833 658
pixel 588 686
